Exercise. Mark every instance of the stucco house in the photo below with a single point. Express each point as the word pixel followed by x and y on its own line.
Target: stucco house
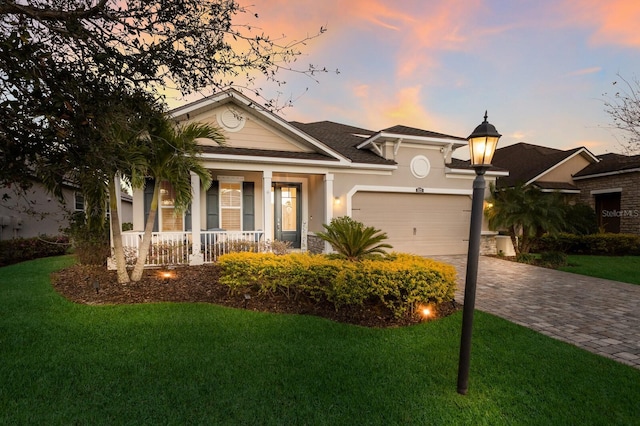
pixel 280 180
pixel 34 211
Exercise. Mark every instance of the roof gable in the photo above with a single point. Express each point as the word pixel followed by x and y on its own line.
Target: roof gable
pixel 263 115
pixel 527 163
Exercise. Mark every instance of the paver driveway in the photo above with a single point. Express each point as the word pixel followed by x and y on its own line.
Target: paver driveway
pixel 598 315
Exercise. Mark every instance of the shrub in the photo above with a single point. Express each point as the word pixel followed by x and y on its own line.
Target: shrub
pixel 526 258
pixel 21 249
pixel 399 282
pixel 594 244
pixel 580 219
pixel 353 239
pixel 554 259
pixel 279 247
pixel 89 241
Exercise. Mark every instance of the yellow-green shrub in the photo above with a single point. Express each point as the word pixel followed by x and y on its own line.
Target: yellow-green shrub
pixel 398 282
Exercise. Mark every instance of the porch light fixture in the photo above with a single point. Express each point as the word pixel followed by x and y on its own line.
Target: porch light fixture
pixel 336 200
pixel 482 144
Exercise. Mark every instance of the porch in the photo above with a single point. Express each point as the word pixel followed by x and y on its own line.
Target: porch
pixel 189 248
pixel 242 210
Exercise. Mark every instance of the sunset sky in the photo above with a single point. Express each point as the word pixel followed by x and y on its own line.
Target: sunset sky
pixel 541 67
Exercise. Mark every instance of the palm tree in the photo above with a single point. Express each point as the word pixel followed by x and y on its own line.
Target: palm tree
pixel 526 213
pixel 109 146
pixel 172 157
pixel 353 239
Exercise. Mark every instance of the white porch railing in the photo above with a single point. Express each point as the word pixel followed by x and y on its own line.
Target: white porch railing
pixel 175 248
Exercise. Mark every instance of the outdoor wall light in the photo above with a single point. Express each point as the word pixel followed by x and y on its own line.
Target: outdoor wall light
pixel 336 200
pixel 482 144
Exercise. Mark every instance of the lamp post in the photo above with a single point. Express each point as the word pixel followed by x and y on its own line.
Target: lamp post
pixel 482 144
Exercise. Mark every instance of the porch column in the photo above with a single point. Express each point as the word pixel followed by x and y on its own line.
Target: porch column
pixel 328 204
pixel 267 217
pixel 196 257
pixel 328 197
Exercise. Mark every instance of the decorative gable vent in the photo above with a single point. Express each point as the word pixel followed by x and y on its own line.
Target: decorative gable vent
pixel 231 120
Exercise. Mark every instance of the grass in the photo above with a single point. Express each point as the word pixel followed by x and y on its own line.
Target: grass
pixel 617 268
pixel 174 364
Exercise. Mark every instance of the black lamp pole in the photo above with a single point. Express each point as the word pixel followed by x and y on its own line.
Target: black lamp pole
pixel 482 143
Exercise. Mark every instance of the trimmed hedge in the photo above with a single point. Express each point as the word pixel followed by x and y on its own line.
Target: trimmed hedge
pixel 20 249
pixel 399 282
pixel 593 244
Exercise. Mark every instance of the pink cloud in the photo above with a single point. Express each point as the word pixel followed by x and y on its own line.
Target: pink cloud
pixel 615 21
pixel 585 71
pixel 419 29
pixel 378 109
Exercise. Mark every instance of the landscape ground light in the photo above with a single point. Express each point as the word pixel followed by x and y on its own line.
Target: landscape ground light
pixel 482 144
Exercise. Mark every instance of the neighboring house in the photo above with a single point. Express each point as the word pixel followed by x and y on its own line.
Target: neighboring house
pixel 279 180
pixel 609 183
pixel 32 212
pixel 612 187
pixel 548 169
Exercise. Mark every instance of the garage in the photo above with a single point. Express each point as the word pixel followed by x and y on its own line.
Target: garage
pixel 418 223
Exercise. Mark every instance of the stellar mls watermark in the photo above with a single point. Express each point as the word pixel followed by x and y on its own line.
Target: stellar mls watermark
pixel 621 213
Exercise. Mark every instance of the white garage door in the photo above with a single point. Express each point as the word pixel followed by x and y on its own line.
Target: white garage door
pixel 423 224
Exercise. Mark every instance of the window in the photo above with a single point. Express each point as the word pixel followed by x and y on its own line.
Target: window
pixel 231 206
pixel 79 202
pixel 170 220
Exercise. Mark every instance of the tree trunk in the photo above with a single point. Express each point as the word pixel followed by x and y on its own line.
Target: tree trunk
pixel 514 240
pixel 118 249
pixel 143 252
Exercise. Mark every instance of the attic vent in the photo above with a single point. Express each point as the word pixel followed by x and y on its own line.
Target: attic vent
pixel 231 120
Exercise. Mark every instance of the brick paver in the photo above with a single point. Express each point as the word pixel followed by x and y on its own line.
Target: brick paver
pixel 598 315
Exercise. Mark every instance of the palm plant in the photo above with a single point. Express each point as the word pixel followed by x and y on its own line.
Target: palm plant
pixel 526 213
pixel 107 145
pixel 172 157
pixel 353 239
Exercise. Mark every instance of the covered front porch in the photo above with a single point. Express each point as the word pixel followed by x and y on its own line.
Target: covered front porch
pixel 242 210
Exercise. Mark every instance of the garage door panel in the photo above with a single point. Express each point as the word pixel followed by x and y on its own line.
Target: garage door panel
pixel 423 224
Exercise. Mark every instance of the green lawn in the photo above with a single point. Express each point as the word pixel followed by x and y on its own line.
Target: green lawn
pixel 618 268
pixel 176 364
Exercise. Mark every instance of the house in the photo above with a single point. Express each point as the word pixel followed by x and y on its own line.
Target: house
pixel 609 183
pixel 26 213
pixel 280 180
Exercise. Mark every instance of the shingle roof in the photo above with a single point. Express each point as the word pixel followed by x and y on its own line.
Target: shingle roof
pixel 556 186
pixel 611 163
pixel 404 130
pixel 525 161
pixel 343 139
pixel 456 163
pixel 266 153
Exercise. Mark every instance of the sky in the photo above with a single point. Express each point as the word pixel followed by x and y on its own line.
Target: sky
pixel 542 68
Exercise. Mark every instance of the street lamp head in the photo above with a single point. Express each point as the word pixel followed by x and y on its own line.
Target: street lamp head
pixel 482 143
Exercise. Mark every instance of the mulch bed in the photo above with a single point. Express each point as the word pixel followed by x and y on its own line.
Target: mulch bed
pixel 95 285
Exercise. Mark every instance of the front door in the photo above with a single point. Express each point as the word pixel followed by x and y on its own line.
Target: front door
pixel 286 212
